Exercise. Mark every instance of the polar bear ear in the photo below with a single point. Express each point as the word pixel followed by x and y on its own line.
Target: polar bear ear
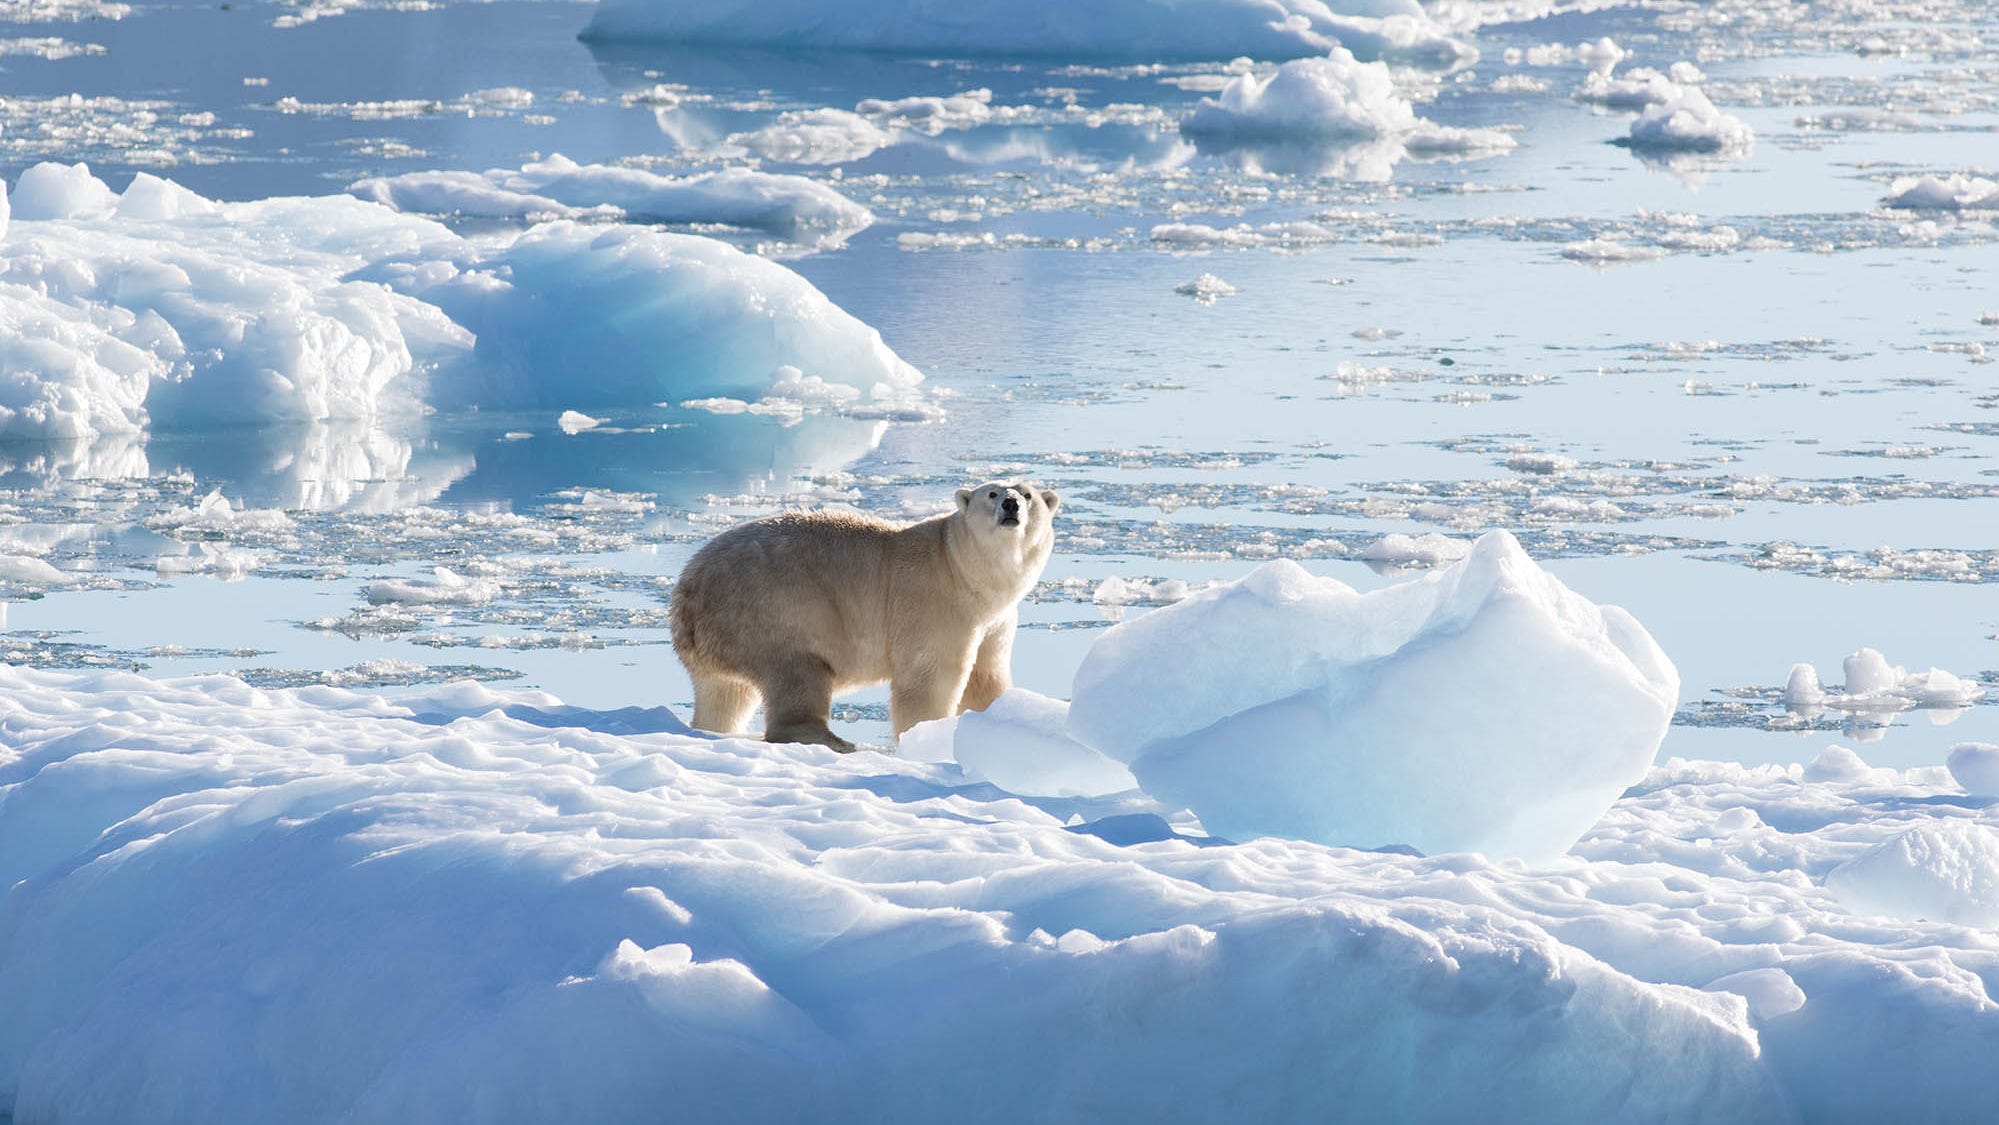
pixel 965 497
pixel 1049 498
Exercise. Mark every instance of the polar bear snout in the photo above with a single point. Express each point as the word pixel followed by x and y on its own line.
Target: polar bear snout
pixel 1009 510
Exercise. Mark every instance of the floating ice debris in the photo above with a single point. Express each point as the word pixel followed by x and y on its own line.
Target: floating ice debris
pixel 1873 684
pixel 1200 236
pixel 1601 55
pixel 1605 250
pixel 931 115
pixel 1975 768
pixel 1682 119
pixel 1146 30
pixel 1483 707
pixel 1398 550
pixel 1943 871
pixel 227 563
pixel 1326 100
pixel 216 517
pixel 1943 193
pixel 1638 88
pixel 1540 464
pixel 444 587
pixel 815 136
pixel 575 422
pixel 1205 289
pixel 1117 591
pixel 792 207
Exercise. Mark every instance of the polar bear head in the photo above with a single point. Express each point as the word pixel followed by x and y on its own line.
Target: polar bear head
pixel 1000 511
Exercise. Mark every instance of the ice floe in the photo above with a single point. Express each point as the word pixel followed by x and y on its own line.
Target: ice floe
pixel 155 307
pixel 791 207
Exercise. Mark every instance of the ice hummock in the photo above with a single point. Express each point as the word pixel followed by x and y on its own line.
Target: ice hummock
pixel 1137 30
pixel 154 307
pixel 1484 707
pixel 794 208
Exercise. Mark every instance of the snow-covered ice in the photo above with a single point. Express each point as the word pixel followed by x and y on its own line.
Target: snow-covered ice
pixel 354 908
pixel 1484 707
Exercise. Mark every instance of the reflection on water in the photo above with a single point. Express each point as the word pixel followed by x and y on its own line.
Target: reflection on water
pixel 510 460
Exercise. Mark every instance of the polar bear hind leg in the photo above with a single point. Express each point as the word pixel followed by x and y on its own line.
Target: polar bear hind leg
pixel 798 702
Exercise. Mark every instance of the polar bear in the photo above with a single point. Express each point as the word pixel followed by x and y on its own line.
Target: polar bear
pixel 796 607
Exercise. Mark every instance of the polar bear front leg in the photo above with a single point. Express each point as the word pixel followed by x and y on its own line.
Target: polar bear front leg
pixel 926 684
pixel 992 668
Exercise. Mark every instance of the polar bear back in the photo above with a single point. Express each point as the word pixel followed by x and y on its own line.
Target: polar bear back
pixel 803 582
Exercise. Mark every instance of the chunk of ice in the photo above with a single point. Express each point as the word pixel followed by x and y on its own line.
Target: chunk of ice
pixel 1484 707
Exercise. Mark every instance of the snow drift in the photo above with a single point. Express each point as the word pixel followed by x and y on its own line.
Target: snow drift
pixel 155 307
pixel 1114 29
pixel 1484 707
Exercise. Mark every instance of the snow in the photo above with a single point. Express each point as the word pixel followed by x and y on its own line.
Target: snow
pixel 1944 872
pixel 1975 768
pixel 791 207
pixel 1330 98
pixel 1944 193
pixel 1484 707
pixel 1146 30
pixel 337 906
pixel 157 308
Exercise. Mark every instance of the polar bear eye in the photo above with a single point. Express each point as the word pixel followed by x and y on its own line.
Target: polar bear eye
pixel 992 495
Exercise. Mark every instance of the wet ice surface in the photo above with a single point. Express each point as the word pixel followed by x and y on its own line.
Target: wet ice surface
pixel 1734 391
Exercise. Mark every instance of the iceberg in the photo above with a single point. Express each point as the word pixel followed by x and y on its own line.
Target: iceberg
pixel 1113 29
pixel 1484 707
